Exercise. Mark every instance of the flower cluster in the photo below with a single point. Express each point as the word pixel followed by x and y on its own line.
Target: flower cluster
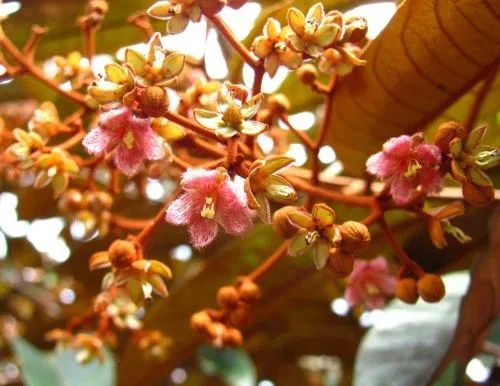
pixel 407 163
pixel 329 37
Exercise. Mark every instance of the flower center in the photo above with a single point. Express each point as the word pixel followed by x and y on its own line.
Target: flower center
pixel 312 237
pixel 208 210
pixel 371 289
pixel 128 139
pixel 280 47
pixel 413 168
pixel 232 115
pixel 311 26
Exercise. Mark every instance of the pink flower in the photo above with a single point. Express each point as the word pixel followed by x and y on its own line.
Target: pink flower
pixel 370 283
pixel 210 198
pixel 131 137
pixel 410 163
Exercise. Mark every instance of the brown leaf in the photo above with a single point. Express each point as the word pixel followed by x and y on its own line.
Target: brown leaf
pixel 428 56
pixel 480 306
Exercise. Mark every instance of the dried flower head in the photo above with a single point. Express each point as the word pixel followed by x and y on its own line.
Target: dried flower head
pixel 26 143
pixel 469 159
pixel 73 68
pixel 55 169
pixel 45 120
pixel 234 113
pixel 312 32
pixel 263 185
pixel 272 46
pixel 157 68
pixel 119 84
pixel 317 231
pixel 178 13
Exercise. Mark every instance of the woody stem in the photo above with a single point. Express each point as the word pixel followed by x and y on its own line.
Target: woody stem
pixel 405 260
pixel 269 262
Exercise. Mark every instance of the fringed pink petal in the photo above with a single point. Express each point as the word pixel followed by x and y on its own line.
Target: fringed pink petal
pixel 233 213
pixel 128 161
pixel 116 119
pixel 202 231
pixel 204 181
pixel 375 302
pixel 428 154
pixel 430 180
pixel 378 264
pixel 401 189
pixel 182 210
pixel 96 141
pixel 399 146
pixel 352 296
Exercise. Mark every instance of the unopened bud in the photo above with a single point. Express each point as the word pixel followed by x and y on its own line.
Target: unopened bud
pixel 122 254
pixel 478 195
pixel 281 224
pixel 355 237
pixel 339 265
pixel 307 73
pixel 154 101
pixel 406 290
pixel 446 133
pixel 249 291
pixel 355 28
pixel 216 330
pixel 227 297
pixel 431 288
pixel 71 201
pixel 200 321
pixel 232 337
pixel 278 103
pixel 241 315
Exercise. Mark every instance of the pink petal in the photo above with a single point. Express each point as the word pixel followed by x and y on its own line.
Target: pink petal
pixel 202 231
pixel 428 154
pixel 352 296
pixel 378 264
pixel 430 180
pixel 96 141
pixel 233 213
pixel 200 179
pixel 182 210
pixel 399 146
pixel 376 302
pixel 401 189
pixel 116 119
pixel 129 161
pixel 386 283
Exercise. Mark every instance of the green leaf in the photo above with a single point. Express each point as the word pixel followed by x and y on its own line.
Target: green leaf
pixel 36 368
pixel 411 339
pixel 92 374
pixel 40 368
pixel 233 366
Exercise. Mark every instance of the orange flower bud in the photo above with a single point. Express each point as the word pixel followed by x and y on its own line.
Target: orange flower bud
pixel 278 103
pixel 232 337
pixel 355 237
pixel 241 315
pixel 216 330
pixel 249 291
pixel 154 101
pixel 307 73
pixel 446 133
pixel 431 288
pixel 200 321
pixel 71 201
pixel 122 254
pixel 478 195
pixel 339 265
pixel 406 290
pixel 227 297
pixel 281 225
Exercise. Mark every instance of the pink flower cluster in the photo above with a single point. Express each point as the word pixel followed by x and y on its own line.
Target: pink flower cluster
pixel 408 162
pixel 132 139
pixel 210 198
pixel 370 283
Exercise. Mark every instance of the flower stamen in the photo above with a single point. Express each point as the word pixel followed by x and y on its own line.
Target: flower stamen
pixel 208 210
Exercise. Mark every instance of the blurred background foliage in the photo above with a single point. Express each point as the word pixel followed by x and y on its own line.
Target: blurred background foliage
pixel 303 332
